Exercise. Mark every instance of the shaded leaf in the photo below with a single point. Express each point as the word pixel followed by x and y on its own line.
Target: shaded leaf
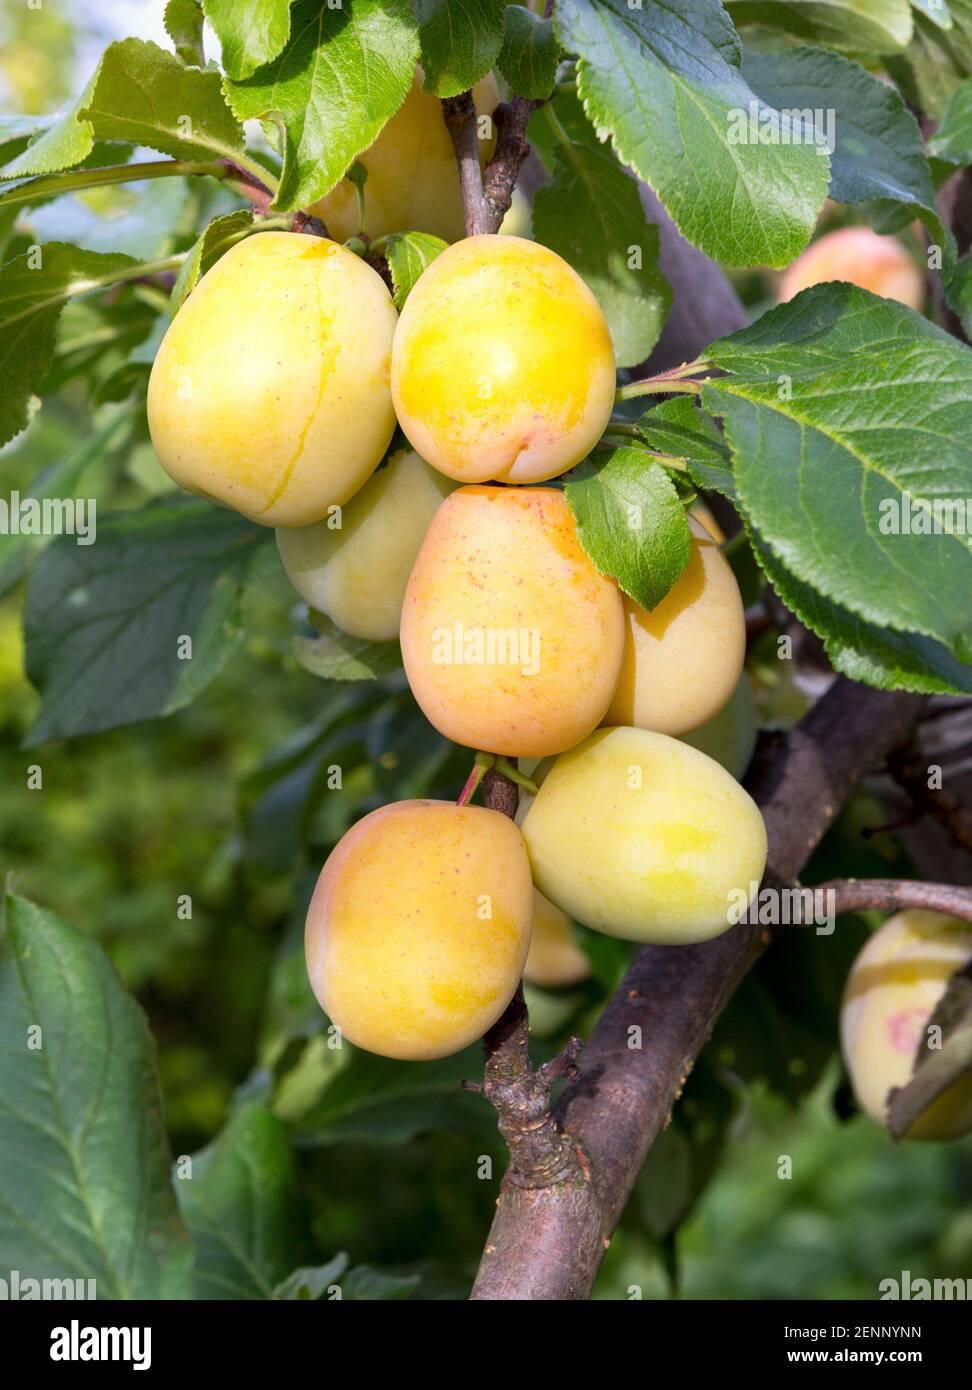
pixel 460 40
pixel 878 153
pixel 86 1191
pixel 630 521
pixel 243 1208
pixel 530 53
pixel 335 655
pixel 215 240
pixel 106 625
pixel 341 75
pixel 409 254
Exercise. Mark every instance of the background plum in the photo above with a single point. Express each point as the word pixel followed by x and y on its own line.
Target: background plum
pixel 892 990
pixel 356 572
pixel 411 184
pixel 682 660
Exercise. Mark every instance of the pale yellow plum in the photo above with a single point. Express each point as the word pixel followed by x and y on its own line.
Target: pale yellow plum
pixel 502 366
pixel 639 836
pixel 554 958
pixel 354 564
pixel 413 181
pixel 419 926
pixel 891 993
pixel 270 390
pixel 730 735
pixel 511 638
pixel 683 659
pixel 860 257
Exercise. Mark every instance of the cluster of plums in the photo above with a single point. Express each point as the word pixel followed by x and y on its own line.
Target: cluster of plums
pixel 276 391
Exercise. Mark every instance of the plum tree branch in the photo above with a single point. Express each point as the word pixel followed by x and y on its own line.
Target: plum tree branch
pixel 486 195
pixel 893 894
pixel 459 113
pixel 910 770
pixel 547 1244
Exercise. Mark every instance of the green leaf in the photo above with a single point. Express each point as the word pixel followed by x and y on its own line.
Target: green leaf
pixel 105 625
pixel 858 26
pixel 140 95
pixel 250 33
pixel 935 10
pixel 372 1100
pixel 60 145
pixel 936 60
pixel 630 521
pixel 408 255
pixel 145 96
pixel 335 656
pixel 530 53
pixel 243 1208
pixel 590 214
pixel 666 85
pixel 58 482
pixel 841 409
pixel 957 284
pixel 460 41
pixel 342 74
pixel 183 20
pixel 367 1283
pixel 679 427
pixel 877 151
pixel 215 240
pixel 311 1282
pixel 33 291
pixel 952 140
pixel 863 651
pixel 86 1190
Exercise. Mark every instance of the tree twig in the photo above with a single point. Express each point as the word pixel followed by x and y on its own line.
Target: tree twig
pixel 893 894
pixel 511 118
pixel 461 120
pixel 909 768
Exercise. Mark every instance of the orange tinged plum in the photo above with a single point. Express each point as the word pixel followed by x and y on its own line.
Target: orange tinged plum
pixel 861 257
pixel 511 638
pixel 502 366
pixel 419 926
pixel 554 959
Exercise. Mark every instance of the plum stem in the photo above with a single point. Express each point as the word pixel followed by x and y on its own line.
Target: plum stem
pixel 484 761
